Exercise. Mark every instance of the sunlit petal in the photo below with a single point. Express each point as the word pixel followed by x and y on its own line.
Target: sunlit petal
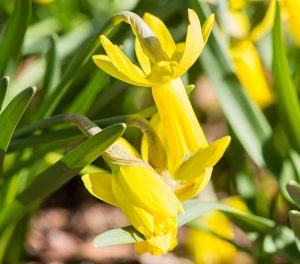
pixel 100 185
pixel 203 158
pixel 161 32
pixel 105 64
pixel 189 189
pixel 194 43
pixel 142 58
pixel 122 63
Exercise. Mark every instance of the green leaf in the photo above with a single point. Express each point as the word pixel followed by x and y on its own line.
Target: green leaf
pixel 295 223
pixel 58 174
pixel 192 209
pixel 287 99
pixel 53 69
pixel 13 36
pixel 10 117
pixel 245 118
pixel 246 221
pixel 3 87
pixel 293 189
pixel 118 236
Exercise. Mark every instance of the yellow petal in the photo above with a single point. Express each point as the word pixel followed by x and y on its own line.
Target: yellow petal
pixel 202 159
pixel 158 245
pixel 161 32
pixel 122 63
pixel 189 189
pixel 142 58
pixel 194 44
pixel 181 126
pixel 145 188
pixel 266 24
pixel 126 147
pixel 100 185
pixel 177 55
pixel 207 27
pixel 105 64
pixel 250 72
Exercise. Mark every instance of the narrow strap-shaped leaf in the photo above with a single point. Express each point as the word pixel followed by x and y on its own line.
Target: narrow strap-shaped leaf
pixel 192 209
pixel 62 171
pixel 245 118
pixel 287 99
pixel 53 69
pixel 10 117
pixel 3 87
pixel 13 36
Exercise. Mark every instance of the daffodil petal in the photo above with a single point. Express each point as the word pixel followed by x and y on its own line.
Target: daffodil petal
pixel 202 159
pixel 177 55
pixel 126 147
pixel 100 185
pixel 194 43
pixel 188 190
pixel 105 64
pixel 122 63
pixel 142 58
pixel 207 27
pixel 235 202
pixel 292 8
pixel 161 32
pixel 158 245
pixel 155 195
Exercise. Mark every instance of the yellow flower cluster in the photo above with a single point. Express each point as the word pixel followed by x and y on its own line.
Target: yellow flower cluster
pixel 151 198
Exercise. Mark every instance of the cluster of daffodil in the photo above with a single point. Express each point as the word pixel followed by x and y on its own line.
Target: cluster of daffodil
pixel 215 249
pixel 176 160
pixel 246 58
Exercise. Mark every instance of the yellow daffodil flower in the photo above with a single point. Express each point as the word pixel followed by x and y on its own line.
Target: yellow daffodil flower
pixel 162 63
pixel 209 249
pixel 147 201
pixel 188 177
pixel 246 59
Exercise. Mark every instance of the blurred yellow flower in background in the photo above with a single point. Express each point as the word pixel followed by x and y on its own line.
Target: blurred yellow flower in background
pixel 246 59
pixel 209 249
pixel 147 201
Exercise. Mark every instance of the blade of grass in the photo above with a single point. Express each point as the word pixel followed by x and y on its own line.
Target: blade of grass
pixel 3 87
pixel 287 99
pixel 10 117
pixel 13 36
